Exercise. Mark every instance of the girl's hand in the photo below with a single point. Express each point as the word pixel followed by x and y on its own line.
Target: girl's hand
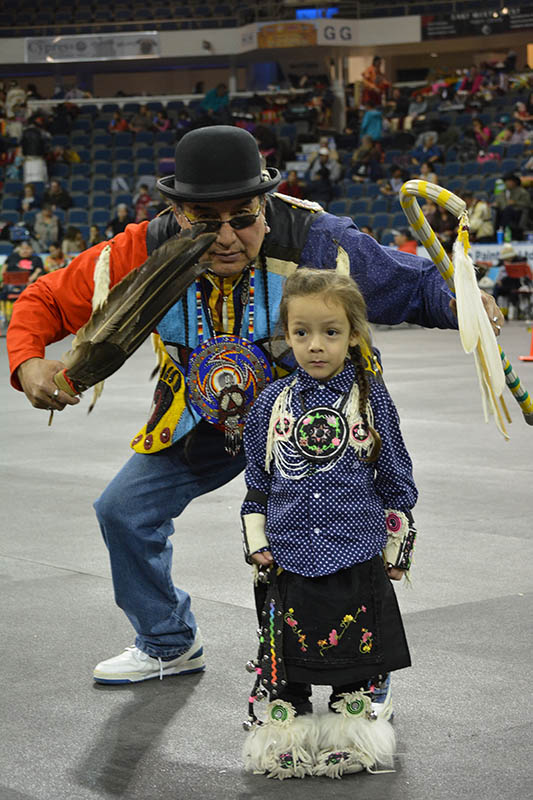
pixel 394 573
pixel 263 559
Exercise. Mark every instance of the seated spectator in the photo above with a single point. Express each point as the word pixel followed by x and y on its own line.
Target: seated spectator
pixel 416 111
pixel 95 236
pixel 392 186
pixel 369 230
pixel 505 286
pixel 520 134
pixel 471 84
pixel 429 151
pixel 118 123
pixel 397 109
pixel 215 104
pixel 504 136
pixel 480 218
pixel 372 124
pixel 57 197
pixel 513 206
pixel 267 142
pixel 323 160
pixel 141 202
pixel 29 201
pixel 292 186
pixel 161 121
pixel 119 222
pixel 21 259
pixel 183 123
pixel 46 228
pixel 366 160
pixel 403 241
pixel 142 120
pixel 56 259
pixel 427 172
pixel 521 113
pixel 482 134
pixel 444 224
pixel 73 242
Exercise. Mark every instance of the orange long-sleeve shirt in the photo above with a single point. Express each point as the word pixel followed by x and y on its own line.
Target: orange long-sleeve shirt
pixel 59 303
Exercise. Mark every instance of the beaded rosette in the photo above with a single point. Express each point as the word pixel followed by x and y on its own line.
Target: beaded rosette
pixel 321 433
pixel 225 375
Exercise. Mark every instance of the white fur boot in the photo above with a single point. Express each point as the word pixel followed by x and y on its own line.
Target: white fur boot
pixel 352 739
pixel 284 746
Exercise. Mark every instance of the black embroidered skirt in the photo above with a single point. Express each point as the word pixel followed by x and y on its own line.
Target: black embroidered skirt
pixel 334 629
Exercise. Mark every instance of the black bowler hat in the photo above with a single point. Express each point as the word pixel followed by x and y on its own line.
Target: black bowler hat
pixel 220 162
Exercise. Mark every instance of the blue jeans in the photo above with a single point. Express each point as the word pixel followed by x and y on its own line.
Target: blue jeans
pixel 135 513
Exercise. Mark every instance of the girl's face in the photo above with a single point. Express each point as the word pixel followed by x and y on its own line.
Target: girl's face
pixel 318 330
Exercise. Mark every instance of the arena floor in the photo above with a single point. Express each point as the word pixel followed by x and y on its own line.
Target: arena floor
pixel 462 718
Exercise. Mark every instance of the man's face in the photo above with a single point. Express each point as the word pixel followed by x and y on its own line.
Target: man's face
pixel 232 250
pixel 54 187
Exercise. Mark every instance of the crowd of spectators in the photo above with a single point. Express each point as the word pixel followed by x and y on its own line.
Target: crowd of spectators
pixel 458 130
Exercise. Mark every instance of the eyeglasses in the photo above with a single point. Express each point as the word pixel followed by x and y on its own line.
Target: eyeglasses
pixel 238 222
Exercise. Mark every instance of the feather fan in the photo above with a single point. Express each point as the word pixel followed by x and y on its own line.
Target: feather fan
pixel 132 310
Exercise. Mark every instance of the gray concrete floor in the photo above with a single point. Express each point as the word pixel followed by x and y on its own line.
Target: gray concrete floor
pixel 462 711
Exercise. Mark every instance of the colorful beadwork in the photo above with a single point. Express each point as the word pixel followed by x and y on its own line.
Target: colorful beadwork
pixel 293 624
pixel 334 637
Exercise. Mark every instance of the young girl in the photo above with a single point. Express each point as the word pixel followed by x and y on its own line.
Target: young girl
pixel 330 487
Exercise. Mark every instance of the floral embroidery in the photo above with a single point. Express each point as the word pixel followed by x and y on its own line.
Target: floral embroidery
pixel 366 643
pixel 292 623
pixel 334 637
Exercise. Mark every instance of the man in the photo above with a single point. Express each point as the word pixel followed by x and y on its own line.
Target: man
pixel 180 454
pixel 513 206
pixel 46 228
pixel 375 84
pixel 404 242
pixel 57 197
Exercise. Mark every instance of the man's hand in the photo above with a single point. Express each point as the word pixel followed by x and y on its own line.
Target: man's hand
pixel 497 320
pixel 36 376
pixel 263 559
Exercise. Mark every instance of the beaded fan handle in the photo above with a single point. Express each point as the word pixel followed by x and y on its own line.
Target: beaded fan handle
pixel 452 203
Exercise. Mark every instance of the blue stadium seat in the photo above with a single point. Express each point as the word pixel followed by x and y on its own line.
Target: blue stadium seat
pixel 59 170
pixel 470 168
pixel 123 153
pixel 9 216
pixel 124 168
pixel 100 217
pixel 100 124
pixel 29 217
pixel 101 168
pixel 509 165
pixel 381 221
pixel 102 139
pixel 380 205
pixel 80 185
pixel 166 137
pixel 59 140
pixel 101 200
pixel 123 139
pixel 356 190
pixel 339 207
pixel 103 154
pixel 144 137
pixel 80 140
pixel 10 204
pixel 101 184
pixel 362 219
pixel 514 151
pixel 145 167
pixel 474 184
pixel 130 108
pixel 77 216
pixel 145 153
pixel 13 187
pixel 359 207
pixel 6 248
pixel 398 220
pixel 81 170
pixel 123 198
pixel 80 200
pixel 85 231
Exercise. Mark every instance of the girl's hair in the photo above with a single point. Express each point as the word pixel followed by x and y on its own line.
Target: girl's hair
pixel 343 290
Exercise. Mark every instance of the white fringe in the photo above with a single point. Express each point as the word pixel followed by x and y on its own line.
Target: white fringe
pixel 349 743
pixel 282 749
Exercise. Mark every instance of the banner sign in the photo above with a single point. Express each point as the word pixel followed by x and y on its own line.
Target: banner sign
pixel 92 47
pixel 286 34
pixel 476 23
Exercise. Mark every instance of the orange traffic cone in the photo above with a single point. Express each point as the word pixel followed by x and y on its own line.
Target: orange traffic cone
pixel 530 356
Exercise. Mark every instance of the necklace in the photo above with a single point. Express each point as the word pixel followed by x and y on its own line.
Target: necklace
pixel 226 372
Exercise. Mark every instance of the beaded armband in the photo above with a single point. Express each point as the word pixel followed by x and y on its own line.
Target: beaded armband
pixel 398 552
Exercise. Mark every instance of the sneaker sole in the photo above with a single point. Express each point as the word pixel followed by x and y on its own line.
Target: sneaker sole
pixel 192 666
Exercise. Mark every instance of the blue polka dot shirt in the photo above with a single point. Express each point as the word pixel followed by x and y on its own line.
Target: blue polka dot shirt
pixel 331 519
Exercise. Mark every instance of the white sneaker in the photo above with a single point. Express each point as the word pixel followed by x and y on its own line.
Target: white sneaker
pixel 133 665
